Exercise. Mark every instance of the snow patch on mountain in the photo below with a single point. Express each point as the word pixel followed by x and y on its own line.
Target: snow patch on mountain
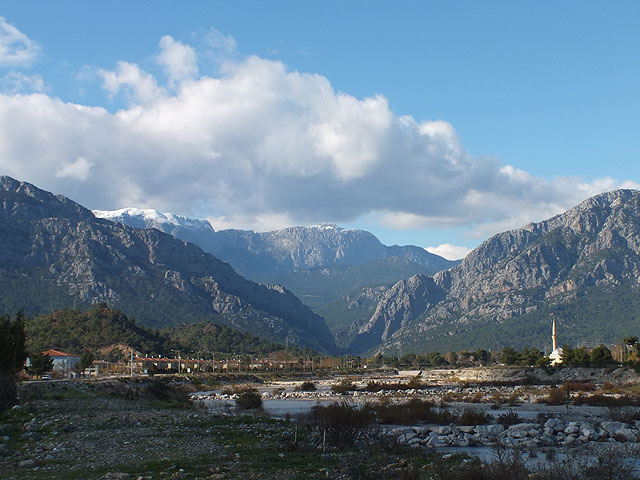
pixel 152 218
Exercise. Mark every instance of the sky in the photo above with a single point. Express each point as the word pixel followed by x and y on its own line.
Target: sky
pixel 430 123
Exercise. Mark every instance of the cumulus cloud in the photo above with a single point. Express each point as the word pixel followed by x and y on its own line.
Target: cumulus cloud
pixel 448 251
pixel 260 146
pixel 178 60
pixel 140 86
pixel 78 170
pixel 16 49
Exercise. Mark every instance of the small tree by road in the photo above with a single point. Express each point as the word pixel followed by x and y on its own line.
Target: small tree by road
pixel 40 364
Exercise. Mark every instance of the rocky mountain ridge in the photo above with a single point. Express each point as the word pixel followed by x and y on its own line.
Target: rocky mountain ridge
pixel 57 254
pixel 268 254
pixel 550 267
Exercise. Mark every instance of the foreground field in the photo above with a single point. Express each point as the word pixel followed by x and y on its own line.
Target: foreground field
pixel 136 430
pixel 148 429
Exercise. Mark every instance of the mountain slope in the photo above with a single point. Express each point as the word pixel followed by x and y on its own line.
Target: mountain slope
pixel 99 327
pixel 506 289
pixel 278 253
pixel 57 254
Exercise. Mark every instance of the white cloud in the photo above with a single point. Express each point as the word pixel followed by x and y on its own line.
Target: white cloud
pixel 141 87
pixel 448 251
pixel 260 223
pixel 16 82
pixel 78 170
pixel 262 147
pixel 178 60
pixel 16 49
pixel 221 46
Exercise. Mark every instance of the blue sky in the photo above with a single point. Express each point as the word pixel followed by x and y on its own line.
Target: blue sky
pixel 424 122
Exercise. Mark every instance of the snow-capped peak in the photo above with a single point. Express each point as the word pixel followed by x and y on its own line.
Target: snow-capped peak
pixel 151 218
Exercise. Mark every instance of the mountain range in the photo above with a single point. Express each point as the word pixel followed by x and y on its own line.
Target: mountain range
pixel 260 255
pixel 319 263
pixel 57 254
pixel 323 265
pixel 581 268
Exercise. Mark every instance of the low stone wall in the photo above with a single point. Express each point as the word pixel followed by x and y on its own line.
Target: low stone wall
pixel 552 432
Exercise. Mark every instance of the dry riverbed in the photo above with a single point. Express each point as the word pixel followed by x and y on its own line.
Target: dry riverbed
pixel 119 430
pixel 149 429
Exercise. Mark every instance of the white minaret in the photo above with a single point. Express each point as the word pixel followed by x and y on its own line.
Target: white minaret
pixel 556 353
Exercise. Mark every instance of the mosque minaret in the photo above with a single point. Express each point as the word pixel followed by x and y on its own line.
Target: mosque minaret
pixel 556 355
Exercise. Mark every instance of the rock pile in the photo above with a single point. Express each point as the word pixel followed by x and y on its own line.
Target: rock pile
pixel 552 432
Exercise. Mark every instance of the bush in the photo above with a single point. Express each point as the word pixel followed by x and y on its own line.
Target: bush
pixel 578 386
pixel 415 383
pixel 249 400
pixel 410 412
pixel 306 387
pixel 509 418
pixel 556 396
pixel 342 422
pixel 471 416
pixel 373 386
pixel 405 413
pixel 343 387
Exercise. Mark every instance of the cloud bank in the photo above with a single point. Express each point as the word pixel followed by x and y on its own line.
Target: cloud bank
pixel 260 145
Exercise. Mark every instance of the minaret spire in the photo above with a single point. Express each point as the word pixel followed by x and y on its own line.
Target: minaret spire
pixel 553 335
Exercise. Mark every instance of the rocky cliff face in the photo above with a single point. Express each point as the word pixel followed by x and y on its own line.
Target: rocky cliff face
pixel 542 267
pixel 400 305
pixel 51 244
pixel 268 254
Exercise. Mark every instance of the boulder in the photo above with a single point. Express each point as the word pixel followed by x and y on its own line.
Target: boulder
pixel 554 424
pixel 571 429
pixel 612 427
pixel 494 430
pixel 624 434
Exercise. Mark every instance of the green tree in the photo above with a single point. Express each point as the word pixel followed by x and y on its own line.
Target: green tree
pixel 575 357
pixel 12 357
pixel 115 355
pixel 12 350
pixel 436 359
pixel 509 356
pixel 85 361
pixel 481 356
pixel 40 364
pixel 600 356
pixel 408 359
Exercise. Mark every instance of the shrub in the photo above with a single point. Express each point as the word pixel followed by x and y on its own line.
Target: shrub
pixel 162 394
pixel 343 387
pixel 406 413
pixel 306 387
pixel 342 422
pixel 249 400
pixel 514 399
pixel 415 383
pixel 509 418
pixel 373 386
pixel 578 386
pixel 556 396
pixel 471 416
